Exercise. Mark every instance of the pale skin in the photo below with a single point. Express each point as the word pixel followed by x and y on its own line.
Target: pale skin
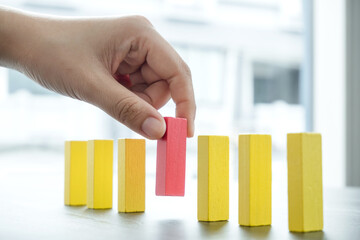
pixel 86 58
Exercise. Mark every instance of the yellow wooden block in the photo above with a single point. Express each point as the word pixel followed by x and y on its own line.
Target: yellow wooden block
pixel 305 182
pixel 131 175
pixel 75 173
pixel 100 174
pixel 254 180
pixel 213 178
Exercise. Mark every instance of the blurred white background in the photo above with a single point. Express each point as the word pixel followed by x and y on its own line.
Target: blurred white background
pixel 252 68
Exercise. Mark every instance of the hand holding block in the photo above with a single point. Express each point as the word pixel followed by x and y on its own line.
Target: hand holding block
pixel 131 175
pixel 254 180
pixel 213 178
pixel 305 182
pixel 171 155
pixel 100 174
pixel 75 173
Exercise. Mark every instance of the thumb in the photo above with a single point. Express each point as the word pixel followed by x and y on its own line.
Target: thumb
pixel 129 109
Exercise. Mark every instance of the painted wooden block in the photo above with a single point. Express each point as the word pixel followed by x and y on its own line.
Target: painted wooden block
pixel 131 175
pixel 75 173
pixel 305 199
pixel 100 174
pixel 254 180
pixel 171 156
pixel 213 178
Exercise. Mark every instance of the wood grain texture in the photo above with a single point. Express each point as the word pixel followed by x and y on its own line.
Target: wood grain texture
pixel 213 178
pixel 131 175
pixel 254 180
pixel 305 199
pixel 171 158
pixel 75 173
pixel 100 174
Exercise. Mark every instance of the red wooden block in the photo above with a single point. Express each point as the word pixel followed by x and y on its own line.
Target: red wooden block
pixel 171 155
pixel 123 79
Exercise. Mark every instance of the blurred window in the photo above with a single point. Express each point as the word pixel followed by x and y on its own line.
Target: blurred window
pixel 276 82
pixel 207 69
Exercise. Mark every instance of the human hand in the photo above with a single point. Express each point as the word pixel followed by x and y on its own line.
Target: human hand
pixel 86 59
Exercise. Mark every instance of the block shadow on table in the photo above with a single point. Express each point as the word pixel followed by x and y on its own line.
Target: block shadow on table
pixel 212 228
pixel 171 229
pixel 261 232
pixel 320 235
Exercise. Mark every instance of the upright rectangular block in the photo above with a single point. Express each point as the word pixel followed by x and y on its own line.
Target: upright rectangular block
pixel 100 174
pixel 75 173
pixel 254 180
pixel 305 182
pixel 213 178
pixel 131 175
pixel 171 155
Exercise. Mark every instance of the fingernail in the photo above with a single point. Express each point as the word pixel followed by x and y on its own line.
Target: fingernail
pixel 153 127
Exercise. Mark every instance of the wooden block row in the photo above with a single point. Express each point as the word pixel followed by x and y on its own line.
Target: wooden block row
pixel 89 174
pixel 304 180
pixel 94 159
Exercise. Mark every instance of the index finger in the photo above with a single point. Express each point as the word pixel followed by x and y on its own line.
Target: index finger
pixel 164 60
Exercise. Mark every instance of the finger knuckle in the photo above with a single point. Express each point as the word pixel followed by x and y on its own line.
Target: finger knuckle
pixel 126 110
pixel 186 69
pixel 142 19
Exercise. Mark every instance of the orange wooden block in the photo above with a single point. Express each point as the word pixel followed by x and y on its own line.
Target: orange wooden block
pixel 131 175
